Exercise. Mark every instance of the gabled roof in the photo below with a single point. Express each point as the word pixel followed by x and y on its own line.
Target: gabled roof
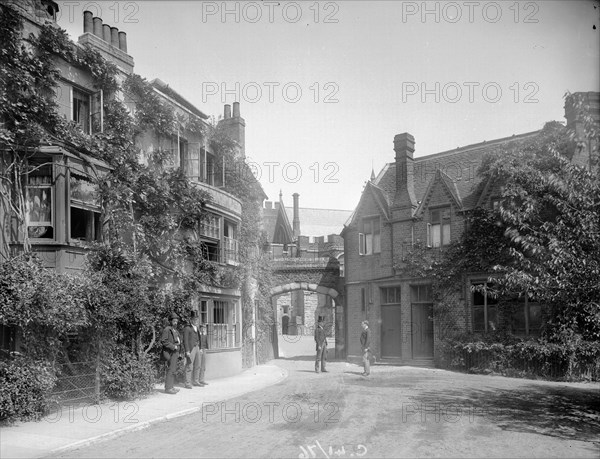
pixel 379 196
pixel 458 171
pixel 446 182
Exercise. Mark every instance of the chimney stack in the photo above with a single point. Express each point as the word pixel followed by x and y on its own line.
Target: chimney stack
pixel 97 26
pixel 235 126
pixel 296 220
pixel 404 146
pixel 88 22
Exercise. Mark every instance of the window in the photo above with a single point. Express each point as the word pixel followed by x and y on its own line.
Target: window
pixel 526 316
pixel 438 228
pixel 81 109
pixel 223 330
pixel 485 311
pixel 390 295
pixel 85 209
pixel 231 243
pixel 420 293
pixel 207 167
pixel 203 311
pixel 370 236
pixel 40 216
pixel 210 226
pixel 363 300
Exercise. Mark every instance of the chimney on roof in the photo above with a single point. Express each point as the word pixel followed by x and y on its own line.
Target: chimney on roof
pixel 106 33
pixel 114 36
pixel 296 220
pixel 97 26
pixel 88 22
pixel 268 205
pixel 404 146
pixel 123 41
pixel 235 126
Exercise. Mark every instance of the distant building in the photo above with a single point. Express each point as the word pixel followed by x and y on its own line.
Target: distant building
pixel 305 235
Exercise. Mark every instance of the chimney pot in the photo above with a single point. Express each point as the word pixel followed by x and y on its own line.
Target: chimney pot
pixel 88 22
pixel 114 36
pixel 106 33
pixel 98 27
pixel 227 113
pixel 236 109
pixel 123 41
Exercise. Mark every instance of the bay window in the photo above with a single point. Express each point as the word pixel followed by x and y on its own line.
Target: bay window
pixel 39 201
pixel 84 209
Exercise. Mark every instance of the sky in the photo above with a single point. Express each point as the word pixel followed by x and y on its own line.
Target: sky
pixel 324 86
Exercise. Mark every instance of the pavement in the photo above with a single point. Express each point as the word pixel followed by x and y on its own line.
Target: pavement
pixel 73 427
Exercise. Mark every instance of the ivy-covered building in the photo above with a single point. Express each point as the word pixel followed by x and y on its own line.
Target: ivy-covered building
pixel 67 205
pixel 416 207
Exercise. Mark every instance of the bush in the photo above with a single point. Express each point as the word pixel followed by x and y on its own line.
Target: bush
pixel 25 388
pixel 126 377
pixel 569 361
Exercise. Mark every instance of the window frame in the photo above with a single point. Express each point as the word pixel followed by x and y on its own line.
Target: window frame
pixel 486 308
pixel 372 245
pixel 444 229
pixel 48 163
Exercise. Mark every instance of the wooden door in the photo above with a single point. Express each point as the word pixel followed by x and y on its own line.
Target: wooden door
pixel 422 331
pixel 391 337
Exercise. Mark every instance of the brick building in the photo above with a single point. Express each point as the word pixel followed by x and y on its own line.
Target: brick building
pixel 63 208
pixel 425 200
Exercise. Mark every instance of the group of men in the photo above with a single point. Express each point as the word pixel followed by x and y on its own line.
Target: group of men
pixel 193 346
pixel 321 340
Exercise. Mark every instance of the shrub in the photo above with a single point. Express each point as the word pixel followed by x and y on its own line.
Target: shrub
pixel 125 376
pixel 25 388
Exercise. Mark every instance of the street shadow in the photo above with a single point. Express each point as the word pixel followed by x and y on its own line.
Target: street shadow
pixel 299 358
pixel 563 412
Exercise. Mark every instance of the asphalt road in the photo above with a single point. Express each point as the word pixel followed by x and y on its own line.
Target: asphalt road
pixel 396 412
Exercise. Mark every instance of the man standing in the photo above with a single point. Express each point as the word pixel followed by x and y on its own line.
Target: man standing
pixel 171 343
pixel 321 341
pixel 191 341
pixel 365 343
pixel 203 349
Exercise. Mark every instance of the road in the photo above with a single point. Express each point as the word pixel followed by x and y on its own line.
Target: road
pixel 396 412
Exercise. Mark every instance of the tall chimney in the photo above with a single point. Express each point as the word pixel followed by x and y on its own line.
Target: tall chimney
pixel 235 126
pixel 404 146
pixel 114 37
pixel 296 220
pixel 123 41
pixel 106 33
pixel 88 22
pixel 98 27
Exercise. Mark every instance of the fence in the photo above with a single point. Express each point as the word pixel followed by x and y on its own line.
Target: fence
pixel 77 383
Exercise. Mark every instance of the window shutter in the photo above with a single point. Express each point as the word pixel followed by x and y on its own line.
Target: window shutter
pixel 361 244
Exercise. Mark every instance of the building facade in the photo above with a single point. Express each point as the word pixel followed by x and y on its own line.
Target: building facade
pixel 423 200
pixel 63 211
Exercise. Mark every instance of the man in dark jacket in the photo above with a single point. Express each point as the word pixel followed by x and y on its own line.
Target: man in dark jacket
pixel 203 348
pixel 321 341
pixel 171 344
pixel 365 344
pixel 191 341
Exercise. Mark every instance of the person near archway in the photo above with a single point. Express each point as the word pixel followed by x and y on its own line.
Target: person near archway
pixel 321 340
pixel 285 322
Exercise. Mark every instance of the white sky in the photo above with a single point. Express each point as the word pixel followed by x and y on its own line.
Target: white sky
pixel 371 64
